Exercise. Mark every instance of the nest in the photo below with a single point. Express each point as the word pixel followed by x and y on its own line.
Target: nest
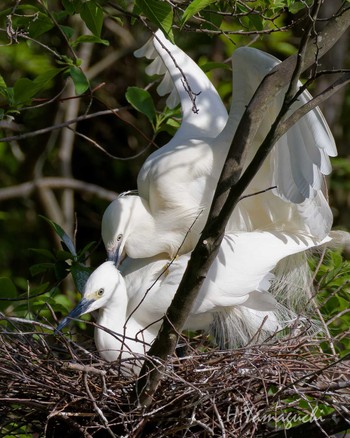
pixel 52 386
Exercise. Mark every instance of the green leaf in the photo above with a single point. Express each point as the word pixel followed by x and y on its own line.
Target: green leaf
pixel 40 25
pixel 2 82
pixel 40 268
pixel 62 301
pixel 296 5
pixel 84 252
pixel 44 252
pixel 208 66
pixel 159 13
pixel 68 31
pixel 80 274
pixel 25 89
pixel 7 288
pixel 142 101
pixel 71 6
pixel 89 39
pixel 41 289
pixel 6 94
pixel 194 7
pixel 213 20
pixel 92 15
pixel 256 21
pixel 63 236
pixel 62 255
pixel 81 83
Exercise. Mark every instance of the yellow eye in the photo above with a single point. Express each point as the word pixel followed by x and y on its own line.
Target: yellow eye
pixel 100 292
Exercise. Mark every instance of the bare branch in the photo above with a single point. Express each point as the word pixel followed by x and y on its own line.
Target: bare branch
pixel 331 425
pixel 60 125
pixel 27 188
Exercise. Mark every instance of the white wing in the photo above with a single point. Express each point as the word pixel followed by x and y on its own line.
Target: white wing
pixel 240 275
pixel 301 156
pixel 181 72
pixel 297 162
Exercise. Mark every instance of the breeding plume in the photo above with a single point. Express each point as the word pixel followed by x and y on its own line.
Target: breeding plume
pixel 233 303
pixel 177 182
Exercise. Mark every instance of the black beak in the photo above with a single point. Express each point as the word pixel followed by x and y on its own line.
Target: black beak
pixel 80 309
pixel 116 255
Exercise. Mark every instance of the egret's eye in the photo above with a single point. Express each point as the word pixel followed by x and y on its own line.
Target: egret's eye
pixel 119 237
pixel 100 292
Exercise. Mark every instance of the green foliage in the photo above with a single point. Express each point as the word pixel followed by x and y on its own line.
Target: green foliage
pixel 142 101
pixel 160 13
pixel 40 51
pixel 60 263
pixel 8 292
pixel 92 15
pixel 25 89
pixel 333 285
pixel 193 8
pixel 67 261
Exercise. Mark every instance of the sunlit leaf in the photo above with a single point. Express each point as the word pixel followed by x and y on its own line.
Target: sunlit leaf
pixel 208 66
pixel 159 13
pixel 142 101
pixel 193 8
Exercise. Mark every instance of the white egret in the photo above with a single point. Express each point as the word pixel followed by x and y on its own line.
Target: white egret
pixel 177 182
pixel 206 119
pixel 233 303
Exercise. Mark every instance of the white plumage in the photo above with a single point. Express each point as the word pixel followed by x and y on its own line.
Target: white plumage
pixel 177 182
pixel 252 281
pixel 234 294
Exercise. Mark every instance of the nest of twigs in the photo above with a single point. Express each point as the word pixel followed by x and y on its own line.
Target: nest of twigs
pixel 51 386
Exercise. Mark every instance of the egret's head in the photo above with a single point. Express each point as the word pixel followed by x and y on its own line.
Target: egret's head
pixel 118 222
pixel 98 291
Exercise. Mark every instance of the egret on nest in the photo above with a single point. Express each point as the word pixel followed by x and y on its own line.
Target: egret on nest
pixel 233 303
pixel 176 183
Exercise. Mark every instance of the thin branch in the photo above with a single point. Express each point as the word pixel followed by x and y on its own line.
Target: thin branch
pixel 79 119
pixel 26 189
pixel 316 101
pixel 60 125
pixel 331 424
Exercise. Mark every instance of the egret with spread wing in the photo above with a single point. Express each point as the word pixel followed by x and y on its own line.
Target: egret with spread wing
pixel 233 303
pixel 177 182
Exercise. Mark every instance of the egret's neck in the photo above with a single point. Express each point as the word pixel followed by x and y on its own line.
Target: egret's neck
pixel 126 339
pixel 150 235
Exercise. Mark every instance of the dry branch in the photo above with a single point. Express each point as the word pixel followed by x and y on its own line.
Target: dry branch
pixel 50 383
pixel 27 188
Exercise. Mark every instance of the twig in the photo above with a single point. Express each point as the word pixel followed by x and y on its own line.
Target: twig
pixel 26 189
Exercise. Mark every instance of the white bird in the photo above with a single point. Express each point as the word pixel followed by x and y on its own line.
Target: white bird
pixel 177 182
pixel 233 303
pixel 207 122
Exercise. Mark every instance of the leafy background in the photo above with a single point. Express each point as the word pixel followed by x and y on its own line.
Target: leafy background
pixel 63 60
pixel 71 61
